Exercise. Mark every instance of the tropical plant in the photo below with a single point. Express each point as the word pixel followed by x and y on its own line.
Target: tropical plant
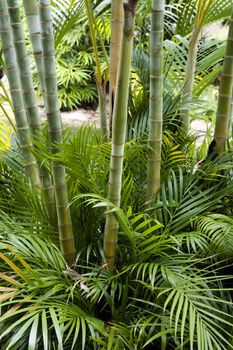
pixel 209 66
pixel 76 64
pixel 166 293
pixel 160 276
pixel 179 18
pixel 170 279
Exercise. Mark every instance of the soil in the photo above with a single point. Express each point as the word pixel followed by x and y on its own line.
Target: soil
pixel 77 118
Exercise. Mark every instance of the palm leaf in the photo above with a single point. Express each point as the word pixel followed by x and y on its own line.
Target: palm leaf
pixel 218 229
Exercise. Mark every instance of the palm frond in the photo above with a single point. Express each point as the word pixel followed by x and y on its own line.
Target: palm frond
pixel 185 196
pixel 218 230
pixel 216 12
pixel 65 15
pixel 5 137
pixel 36 299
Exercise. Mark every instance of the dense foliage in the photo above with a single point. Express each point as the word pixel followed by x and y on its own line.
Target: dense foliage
pixel 171 285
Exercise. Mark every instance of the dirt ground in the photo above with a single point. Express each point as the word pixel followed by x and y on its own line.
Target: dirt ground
pixel 77 118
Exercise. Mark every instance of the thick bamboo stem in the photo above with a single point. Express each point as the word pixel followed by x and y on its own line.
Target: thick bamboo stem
pixel 29 97
pixel 117 20
pixel 55 131
pixel 32 14
pixel 119 131
pixel 225 95
pixel 24 67
pixel 156 98
pixel 23 129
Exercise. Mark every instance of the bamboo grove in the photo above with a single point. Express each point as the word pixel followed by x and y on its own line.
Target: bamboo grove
pixel 144 231
pixel 27 121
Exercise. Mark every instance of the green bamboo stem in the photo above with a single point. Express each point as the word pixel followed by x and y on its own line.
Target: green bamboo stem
pixel 119 131
pixel 117 20
pixel 23 129
pixel 33 19
pixel 230 126
pixel 101 92
pixel 156 98
pixel 225 95
pixel 29 97
pixel 55 131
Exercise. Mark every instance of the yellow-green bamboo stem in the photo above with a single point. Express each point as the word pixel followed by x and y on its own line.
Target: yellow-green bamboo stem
pixel 8 117
pixel 156 98
pixel 117 20
pixel 29 97
pixel 32 14
pixel 202 11
pixel 118 131
pixel 100 88
pixel 7 98
pixel 189 80
pixel 23 130
pixel 55 132
pixel 225 95
pixel 6 94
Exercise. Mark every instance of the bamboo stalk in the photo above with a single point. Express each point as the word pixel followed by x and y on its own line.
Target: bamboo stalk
pixel 100 88
pixel 189 80
pixel 119 131
pixel 33 18
pixel 24 67
pixel 225 95
pixel 55 131
pixel 117 20
pixel 22 126
pixel 156 98
pixel 29 97
pixel 202 11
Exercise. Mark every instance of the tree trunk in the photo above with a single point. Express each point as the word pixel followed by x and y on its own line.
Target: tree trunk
pixel 23 129
pixel 117 20
pixel 156 98
pixel 118 131
pixel 225 95
pixel 55 131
